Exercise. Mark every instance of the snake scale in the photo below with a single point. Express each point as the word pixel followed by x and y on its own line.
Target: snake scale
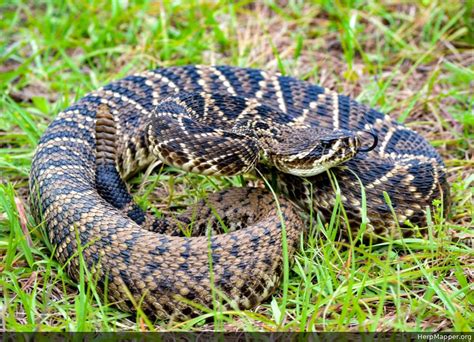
pixel 219 120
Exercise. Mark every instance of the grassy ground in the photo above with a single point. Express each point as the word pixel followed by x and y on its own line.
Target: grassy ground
pixel 412 60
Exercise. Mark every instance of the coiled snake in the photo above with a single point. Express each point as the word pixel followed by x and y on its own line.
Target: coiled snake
pixel 218 120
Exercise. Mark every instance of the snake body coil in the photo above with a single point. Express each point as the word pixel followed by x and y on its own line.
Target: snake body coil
pixel 77 186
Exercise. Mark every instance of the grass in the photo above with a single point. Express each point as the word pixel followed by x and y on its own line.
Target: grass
pixel 413 60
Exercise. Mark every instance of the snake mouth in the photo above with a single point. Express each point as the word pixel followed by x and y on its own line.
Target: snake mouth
pixel 326 152
pixel 375 140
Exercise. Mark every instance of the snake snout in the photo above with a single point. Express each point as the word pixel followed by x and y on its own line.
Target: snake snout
pixel 346 143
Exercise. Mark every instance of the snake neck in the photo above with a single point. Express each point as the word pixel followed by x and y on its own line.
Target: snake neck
pixel 216 134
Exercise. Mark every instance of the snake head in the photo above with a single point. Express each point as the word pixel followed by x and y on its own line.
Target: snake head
pixel 307 152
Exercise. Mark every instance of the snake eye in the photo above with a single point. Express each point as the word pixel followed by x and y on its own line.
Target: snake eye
pixel 326 143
